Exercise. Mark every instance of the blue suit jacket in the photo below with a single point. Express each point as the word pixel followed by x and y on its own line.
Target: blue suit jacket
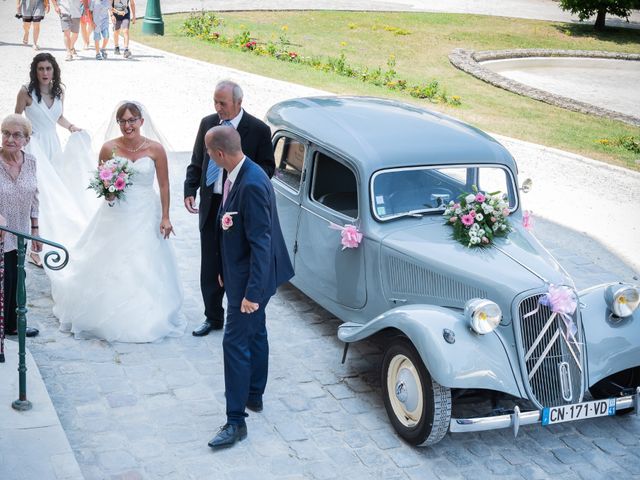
pixel 253 255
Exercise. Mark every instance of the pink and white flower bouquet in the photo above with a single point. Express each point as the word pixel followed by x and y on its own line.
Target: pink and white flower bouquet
pixel 112 178
pixel 478 218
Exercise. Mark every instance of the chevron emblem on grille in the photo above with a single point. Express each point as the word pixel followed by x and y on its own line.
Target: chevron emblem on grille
pixel 561 334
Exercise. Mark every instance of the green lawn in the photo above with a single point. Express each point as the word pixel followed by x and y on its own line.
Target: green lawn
pixel 369 39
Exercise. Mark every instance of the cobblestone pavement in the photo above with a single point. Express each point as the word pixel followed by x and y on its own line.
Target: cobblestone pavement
pixel 147 410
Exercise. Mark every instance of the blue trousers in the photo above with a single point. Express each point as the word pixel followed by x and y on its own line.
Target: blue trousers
pixel 246 360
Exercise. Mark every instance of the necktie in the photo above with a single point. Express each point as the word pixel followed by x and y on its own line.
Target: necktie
pixel 213 170
pixel 225 191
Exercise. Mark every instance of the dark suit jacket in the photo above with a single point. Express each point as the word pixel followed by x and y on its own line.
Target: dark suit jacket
pixel 255 136
pixel 253 254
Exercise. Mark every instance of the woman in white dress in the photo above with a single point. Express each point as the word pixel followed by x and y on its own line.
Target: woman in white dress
pixel 121 283
pixel 65 206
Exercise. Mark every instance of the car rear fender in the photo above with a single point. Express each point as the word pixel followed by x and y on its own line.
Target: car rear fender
pixel 613 344
pixel 471 361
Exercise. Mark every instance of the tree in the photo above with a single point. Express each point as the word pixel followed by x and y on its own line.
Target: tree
pixel 586 8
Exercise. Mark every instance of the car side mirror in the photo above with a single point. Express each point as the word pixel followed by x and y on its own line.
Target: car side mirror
pixel 526 185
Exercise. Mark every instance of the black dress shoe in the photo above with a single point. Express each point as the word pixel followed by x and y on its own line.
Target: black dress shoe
pixel 32 332
pixel 255 406
pixel 206 327
pixel 228 435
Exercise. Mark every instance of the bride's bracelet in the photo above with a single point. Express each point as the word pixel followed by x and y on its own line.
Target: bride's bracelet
pixel 70 125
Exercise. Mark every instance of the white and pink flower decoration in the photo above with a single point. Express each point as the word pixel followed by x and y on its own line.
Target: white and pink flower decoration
pixel 527 220
pixel 562 301
pixel 478 218
pixel 111 179
pixel 350 236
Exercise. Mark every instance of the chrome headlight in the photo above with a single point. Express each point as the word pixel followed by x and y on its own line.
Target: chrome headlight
pixel 622 299
pixel 483 315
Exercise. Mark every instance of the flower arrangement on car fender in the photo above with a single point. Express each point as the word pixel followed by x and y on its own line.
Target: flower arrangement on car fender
pixel 112 178
pixel 478 218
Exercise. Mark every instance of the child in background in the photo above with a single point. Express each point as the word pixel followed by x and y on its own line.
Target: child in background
pixel 100 10
pixel 86 24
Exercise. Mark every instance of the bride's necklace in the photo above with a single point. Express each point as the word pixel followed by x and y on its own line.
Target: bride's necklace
pixel 139 147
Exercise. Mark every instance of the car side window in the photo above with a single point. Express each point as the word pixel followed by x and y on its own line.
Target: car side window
pixel 335 185
pixel 289 154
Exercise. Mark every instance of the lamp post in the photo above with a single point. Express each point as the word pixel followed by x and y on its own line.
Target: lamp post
pixel 153 24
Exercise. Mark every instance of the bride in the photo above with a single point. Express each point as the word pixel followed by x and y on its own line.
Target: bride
pixel 121 283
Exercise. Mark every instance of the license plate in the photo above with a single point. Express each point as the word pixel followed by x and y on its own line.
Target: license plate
pixel 579 411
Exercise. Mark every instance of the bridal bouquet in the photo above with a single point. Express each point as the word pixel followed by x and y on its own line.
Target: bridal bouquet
pixel 477 218
pixel 111 179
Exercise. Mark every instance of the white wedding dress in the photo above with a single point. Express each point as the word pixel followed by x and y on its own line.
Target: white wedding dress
pixel 121 283
pixel 65 203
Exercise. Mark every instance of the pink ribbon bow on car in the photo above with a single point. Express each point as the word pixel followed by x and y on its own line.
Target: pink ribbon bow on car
pixel 350 236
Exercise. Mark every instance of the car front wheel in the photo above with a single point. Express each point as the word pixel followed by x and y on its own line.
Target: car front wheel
pixel 419 407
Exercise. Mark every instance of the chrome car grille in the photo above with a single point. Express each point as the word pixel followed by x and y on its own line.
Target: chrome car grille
pixel 554 359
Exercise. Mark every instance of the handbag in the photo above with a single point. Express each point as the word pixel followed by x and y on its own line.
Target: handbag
pixel 2 301
pixel 120 7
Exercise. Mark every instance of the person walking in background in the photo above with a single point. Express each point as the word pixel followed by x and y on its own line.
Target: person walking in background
pixel 70 12
pixel 124 13
pixel 205 176
pixel 253 262
pixel 32 12
pixel 86 24
pixel 100 12
pixel 18 206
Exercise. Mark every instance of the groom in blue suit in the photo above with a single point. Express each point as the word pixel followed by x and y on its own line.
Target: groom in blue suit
pixel 254 262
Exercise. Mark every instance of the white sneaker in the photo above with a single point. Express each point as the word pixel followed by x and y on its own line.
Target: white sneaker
pixel 69 57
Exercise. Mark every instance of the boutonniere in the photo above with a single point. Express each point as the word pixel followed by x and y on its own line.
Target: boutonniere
pixel 227 220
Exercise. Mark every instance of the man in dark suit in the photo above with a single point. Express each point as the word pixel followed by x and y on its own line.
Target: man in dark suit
pixel 205 175
pixel 253 263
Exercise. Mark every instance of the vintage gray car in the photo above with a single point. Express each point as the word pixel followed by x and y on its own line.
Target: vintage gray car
pixel 452 319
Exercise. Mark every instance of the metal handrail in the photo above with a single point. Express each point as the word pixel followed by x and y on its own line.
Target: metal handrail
pixel 52 260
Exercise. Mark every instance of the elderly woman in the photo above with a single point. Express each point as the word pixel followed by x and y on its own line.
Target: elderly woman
pixel 18 206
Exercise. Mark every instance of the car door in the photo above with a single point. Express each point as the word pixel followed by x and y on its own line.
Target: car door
pixel 331 198
pixel 289 152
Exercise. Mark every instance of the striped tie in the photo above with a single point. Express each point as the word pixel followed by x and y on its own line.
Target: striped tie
pixel 213 170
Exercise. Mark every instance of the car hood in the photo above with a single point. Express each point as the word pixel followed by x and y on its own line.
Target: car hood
pixel 427 257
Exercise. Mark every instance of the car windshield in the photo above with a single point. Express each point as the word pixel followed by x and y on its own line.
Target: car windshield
pixel 416 191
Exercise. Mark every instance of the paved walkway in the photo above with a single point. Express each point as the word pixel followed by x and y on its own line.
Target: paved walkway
pixel 532 9
pixel 147 411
